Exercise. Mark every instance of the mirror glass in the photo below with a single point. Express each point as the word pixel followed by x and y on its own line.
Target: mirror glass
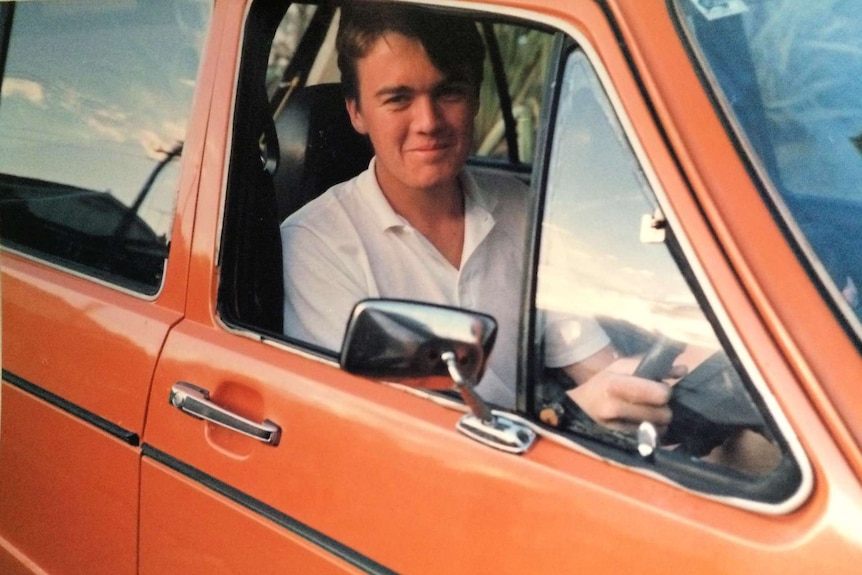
pixel 404 341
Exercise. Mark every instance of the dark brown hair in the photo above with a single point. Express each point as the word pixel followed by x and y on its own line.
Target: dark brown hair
pixel 452 43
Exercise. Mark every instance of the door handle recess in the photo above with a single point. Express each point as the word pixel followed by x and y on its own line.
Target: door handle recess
pixel 195 401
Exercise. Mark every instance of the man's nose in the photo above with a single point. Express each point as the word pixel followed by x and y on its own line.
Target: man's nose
pixel 426 114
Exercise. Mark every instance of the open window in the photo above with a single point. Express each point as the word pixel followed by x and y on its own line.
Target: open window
pixel 292 137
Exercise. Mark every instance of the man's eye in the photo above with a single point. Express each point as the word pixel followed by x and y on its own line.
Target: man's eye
pixel 397 100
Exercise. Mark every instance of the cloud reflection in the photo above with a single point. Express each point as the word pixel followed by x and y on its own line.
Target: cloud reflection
pixel 31 91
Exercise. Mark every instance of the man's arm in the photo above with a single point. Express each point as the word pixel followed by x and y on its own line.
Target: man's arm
pixel 321 286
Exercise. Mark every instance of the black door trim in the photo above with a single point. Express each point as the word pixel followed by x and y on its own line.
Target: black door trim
pixel 98 421
pixel 325 542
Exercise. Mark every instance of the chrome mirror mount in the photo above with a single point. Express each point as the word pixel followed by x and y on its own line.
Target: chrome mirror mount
pixel 493 429
pixel 465 385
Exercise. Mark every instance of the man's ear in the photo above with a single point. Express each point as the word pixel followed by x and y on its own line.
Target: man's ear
pixel 355 116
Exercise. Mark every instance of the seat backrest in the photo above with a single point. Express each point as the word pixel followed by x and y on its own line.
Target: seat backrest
pixel 318 146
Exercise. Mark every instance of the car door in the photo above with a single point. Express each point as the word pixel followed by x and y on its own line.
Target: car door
pixel 260 454
pixel 361 478
pixel 96 103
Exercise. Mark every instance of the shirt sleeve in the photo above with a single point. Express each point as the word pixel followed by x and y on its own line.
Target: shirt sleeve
pixel 569 339
pixel 320 288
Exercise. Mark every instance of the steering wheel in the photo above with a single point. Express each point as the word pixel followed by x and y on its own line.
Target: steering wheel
pixel 710 404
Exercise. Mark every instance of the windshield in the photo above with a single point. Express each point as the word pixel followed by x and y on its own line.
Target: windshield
pixel 789 73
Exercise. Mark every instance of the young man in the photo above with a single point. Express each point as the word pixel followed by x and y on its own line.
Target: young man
pixel 416 225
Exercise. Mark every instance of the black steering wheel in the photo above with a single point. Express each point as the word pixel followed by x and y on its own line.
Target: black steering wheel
pixel 710 404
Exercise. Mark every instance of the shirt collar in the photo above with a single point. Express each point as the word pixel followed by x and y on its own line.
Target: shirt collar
pixel 479 203
pixel 476 195
pixel 479 207
pixel 376 201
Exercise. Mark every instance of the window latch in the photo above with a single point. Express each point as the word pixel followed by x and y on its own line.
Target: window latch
pixel 653 228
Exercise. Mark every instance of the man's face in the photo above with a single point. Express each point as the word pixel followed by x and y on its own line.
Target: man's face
pixel 420 122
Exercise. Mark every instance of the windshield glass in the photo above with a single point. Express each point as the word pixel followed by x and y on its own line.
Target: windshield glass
pixel 789 73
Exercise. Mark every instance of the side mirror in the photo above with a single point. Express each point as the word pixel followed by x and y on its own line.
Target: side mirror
pixel 431 347
pixel 405 342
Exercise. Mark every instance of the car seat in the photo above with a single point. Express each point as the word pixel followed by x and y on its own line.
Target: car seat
pixel 318 146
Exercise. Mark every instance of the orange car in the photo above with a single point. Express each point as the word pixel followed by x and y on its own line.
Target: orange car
pixel 694 172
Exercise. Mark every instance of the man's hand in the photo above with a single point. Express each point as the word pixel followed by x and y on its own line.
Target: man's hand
pixel 613 398
pixel 622 402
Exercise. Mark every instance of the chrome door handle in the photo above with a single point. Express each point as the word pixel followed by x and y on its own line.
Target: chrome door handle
pixel 195 401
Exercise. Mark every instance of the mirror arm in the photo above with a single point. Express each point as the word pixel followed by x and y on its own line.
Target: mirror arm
pixel 479 408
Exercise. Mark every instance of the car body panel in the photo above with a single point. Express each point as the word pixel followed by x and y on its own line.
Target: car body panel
pixel 384 459
pixel 77 318
pixel 192 538
pixel 69 493
pixel 78 361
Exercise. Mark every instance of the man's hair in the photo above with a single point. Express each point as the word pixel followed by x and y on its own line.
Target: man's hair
pixel 453 43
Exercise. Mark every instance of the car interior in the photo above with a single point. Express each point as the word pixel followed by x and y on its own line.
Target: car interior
pixel 318 146
pixel 289 147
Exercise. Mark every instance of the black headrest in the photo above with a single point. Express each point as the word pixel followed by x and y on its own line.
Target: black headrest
pixel 318 146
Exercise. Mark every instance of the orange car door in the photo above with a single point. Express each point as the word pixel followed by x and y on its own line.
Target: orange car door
pixel 316 470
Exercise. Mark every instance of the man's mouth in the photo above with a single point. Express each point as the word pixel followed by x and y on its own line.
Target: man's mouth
pixel 432 147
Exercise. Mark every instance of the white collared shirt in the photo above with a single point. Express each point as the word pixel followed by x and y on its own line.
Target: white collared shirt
pixel 349 244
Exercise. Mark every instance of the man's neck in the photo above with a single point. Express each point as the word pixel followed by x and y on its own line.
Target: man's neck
pixel 437 213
